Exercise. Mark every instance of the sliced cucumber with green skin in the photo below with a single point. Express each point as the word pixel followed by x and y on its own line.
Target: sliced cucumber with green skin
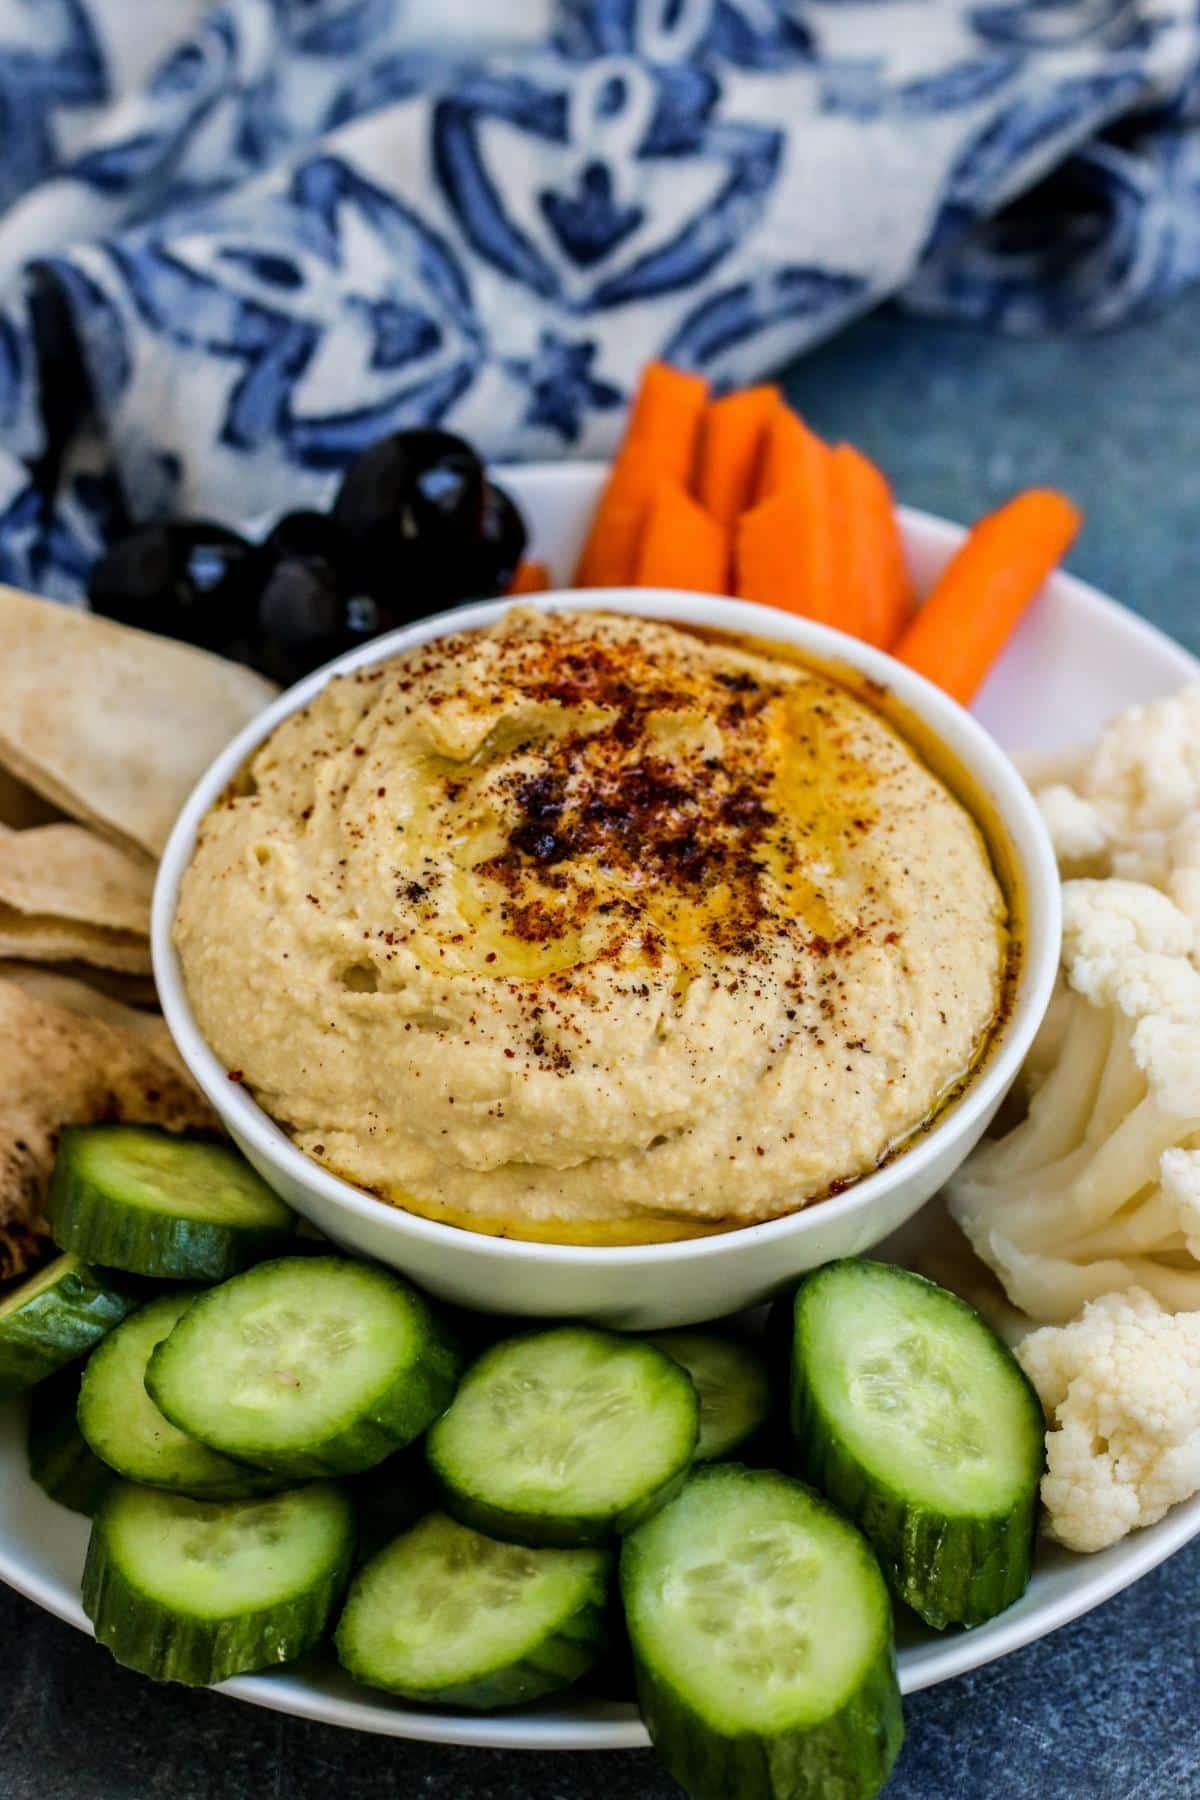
pixel 914 1418
pixel 55 1317
pixel 125 1429
pixel 181 1209
pixel 762 1642
pixel 454 1618
pixel 199 1590
pixel 312 1365
pixel 60 1460
pixel 568 1437
pixel 733 1385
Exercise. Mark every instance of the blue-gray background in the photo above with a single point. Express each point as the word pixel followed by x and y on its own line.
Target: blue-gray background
pixel 1108 1709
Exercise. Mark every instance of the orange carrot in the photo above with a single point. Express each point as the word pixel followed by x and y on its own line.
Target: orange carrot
pixel 530 578
pixel 610 552
pixel 873 583
pixel 666 417
pixel 787 445
pixel 660 442
pixel 785 546
pixel 682 545
pixel 732 434
pixel 979 598
pixel 785 552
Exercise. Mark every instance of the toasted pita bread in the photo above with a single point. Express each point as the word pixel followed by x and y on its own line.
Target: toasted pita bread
pixel 80 996
pixel 60 1067
pixel 114 726
pixel 66 940
pixel 67 872
pixel 134 991
pixel 66 895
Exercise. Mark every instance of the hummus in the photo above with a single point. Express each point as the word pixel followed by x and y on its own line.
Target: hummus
pixel 590 929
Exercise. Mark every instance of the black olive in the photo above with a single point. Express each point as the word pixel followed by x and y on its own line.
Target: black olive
pixel 308 535
pixel 193 580
pixel 468 569
pixel 412 506
pixel 307 614
pixel 502 544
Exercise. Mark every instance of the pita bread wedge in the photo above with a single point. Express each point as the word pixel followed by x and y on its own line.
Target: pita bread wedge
pixel 58 1068
pixel 63 989
pixel 66 895
pixel 114 726
pixel 80 996
pixel 66 940
pixel 67 872
pixel 134 991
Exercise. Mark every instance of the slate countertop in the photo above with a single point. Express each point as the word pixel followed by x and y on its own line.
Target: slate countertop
pixel 1107 1708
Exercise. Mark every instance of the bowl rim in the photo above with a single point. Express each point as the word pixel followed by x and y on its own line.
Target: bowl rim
pixel 966 739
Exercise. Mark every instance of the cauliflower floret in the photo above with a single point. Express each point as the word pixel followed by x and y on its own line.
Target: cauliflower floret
pixel 1144 772
pixel 1075 1200
pixel 1120 1386
pixel 1179 1172
pixel 1078 829
pixel 1116 809
pixel 1051 768
pixel 1168 1051
pixel 1127 945
pixel 1088 1207
pixel 1183 869
pixel 1145 856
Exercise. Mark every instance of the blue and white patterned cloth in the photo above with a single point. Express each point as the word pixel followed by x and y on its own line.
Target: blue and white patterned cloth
pixel 267 231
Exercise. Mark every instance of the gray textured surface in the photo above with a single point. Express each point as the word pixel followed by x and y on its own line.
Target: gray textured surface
pixel 1108 1709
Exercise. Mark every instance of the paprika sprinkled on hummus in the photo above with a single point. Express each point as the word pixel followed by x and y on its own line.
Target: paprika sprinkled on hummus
pixel 587 928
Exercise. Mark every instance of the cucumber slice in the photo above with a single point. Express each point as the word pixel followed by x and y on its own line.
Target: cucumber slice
pixel 448 1616
pixel 182 1209
pixel 312 1365
pixel 565 1437
pixel 732 1383
pixel 198 1590
pixel 55 1317
pixel 125 1429
pixel 918 1422
pixel 762 1642
pixel 59 1458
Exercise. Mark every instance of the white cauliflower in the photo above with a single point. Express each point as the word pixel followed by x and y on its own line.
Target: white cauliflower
pixel 1121 1391
pixel 1078 829
pixel 1183 869
pixel 1088 1208
pixel 1117 808
pixel 1097 1188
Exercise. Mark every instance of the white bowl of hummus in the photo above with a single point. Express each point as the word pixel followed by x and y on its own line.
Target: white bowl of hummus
pixel 623 955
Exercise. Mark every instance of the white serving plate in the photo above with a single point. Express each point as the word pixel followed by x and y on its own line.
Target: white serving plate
pixel 1077 658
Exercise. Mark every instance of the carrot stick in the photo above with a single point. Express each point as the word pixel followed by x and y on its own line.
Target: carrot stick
pixel 666 417
pixel 530 578
pixel 976 604
pixel 610 552
pixel 873 583
pixel 732 435
pixel 787 444
pixel 682 545
pixel 784 554
pixel 660 442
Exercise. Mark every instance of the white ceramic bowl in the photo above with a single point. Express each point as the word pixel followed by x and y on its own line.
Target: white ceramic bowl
pixel 641 1286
